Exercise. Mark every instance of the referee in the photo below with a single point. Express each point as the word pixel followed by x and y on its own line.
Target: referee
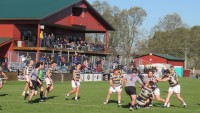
pixel 130 81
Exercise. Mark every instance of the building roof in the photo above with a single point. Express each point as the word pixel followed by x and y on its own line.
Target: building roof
pixel 32 9
pixel 40 9
pixel 4 41
pixel 166 56
pixel 169 57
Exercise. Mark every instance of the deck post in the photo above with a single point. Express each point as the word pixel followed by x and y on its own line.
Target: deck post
pixel 106 42
pixel 38 44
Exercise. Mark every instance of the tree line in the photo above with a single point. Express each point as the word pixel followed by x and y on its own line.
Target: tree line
pixel 169 36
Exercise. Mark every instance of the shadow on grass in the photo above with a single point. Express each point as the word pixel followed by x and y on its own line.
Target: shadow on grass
pixel 160 105
pixel 0 108
pixel 3 94
pixel 126 106
pixel 74 98
pixel 165 91
pixel 51 97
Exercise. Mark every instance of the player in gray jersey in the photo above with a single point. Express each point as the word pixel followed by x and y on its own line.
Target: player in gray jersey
pixel 27 71
pixel 156 90
pixel 4 75
pixel 116 83
pixel 130 81
pixel 34 81
pixel 174 88
pixel 75 82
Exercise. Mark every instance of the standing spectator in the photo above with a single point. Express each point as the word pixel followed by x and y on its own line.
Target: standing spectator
pixel 63 62
pixel 45 40
pixel 52 38
pixel 41 38
pixel 48 44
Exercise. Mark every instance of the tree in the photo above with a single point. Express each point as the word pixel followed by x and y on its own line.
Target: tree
pixel 169 22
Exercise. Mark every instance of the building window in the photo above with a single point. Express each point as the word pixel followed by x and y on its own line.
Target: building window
pixel 77 11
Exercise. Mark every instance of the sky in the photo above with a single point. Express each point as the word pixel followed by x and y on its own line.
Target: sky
pixel 189 10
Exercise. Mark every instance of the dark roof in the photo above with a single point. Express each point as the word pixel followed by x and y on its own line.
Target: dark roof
pixel 166 56
pixel 4 41
pixel 32 9
pixel 169 57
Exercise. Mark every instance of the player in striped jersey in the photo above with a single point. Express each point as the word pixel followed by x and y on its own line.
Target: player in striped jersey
pixel 48 79
pixel 27 71
pixel 156 90
pixel 116 83
pixel 75 82
pixel 146 95
pixel 4 75
pixel 174 88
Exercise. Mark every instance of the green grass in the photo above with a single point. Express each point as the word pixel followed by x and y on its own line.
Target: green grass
pixel 92 96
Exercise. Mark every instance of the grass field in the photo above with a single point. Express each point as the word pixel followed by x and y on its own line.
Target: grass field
pixel 92 96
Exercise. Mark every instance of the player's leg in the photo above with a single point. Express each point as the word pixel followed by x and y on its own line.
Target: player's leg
pixel 170 92
pixel 1 85
pixel 157 95
pixel 41 93
pixel 119 91
pixel 77 91
pixel 110 91
pixel 177 90
pixel 73 90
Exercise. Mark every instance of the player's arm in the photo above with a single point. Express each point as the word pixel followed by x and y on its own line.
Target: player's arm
pixel 24 73
pixel 123 80
pixel 39 81
pixel 111 83
pixel 140 81
pixel 176 77
pixel 163 80
pixel 74 76
pixel 48 74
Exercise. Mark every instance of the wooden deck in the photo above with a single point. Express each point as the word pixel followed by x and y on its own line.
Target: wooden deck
pixel 48 50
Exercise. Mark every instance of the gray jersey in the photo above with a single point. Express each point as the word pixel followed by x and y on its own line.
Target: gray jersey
pixel 146 80
pixel 34 74
pixel 131 79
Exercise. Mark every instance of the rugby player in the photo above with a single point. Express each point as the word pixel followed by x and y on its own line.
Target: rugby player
pixel 40 75
pixel 174 88
pixel 156 90
pixel 4 75
pixel 146 95
pixel 76 76
pixel 48 79
pixel 33 81
pixel 27 71
pixel 116 83
pixel 130 82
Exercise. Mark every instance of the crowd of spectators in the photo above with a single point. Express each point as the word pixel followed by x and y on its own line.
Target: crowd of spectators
pixel 68 42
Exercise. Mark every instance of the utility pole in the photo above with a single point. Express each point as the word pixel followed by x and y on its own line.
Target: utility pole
pixel 186 53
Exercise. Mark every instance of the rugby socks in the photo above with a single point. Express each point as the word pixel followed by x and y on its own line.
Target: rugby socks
pixel 76 98
pixel 41 95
